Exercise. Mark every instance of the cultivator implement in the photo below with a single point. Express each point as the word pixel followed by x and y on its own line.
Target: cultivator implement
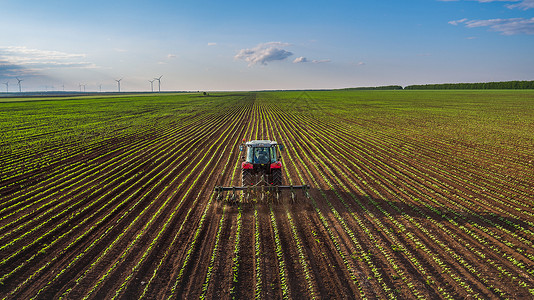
pixel 261 192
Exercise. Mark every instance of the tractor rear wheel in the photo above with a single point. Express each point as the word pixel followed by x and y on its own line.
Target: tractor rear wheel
pixel 277 176
pixel 246 177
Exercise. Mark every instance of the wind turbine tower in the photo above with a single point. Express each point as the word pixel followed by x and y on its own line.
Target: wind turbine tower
pixel 152 84
pixel 7 86
pixel 19 80
pixel 119 84
pixel 159 83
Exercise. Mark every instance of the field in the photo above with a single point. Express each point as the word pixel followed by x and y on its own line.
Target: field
pixel 415 194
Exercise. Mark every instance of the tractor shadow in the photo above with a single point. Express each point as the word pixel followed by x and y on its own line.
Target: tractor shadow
pixel 378 207
pixel 420 210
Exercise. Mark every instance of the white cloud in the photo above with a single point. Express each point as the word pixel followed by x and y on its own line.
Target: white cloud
pixel 171 56
pixel 505 26
pixel 510 26
pixel 25 55
pixel 8 69
pixel 20 58
pixel 264 53
pixel 212 44
pixel 303 59
pixel 456 22
pixel 525 4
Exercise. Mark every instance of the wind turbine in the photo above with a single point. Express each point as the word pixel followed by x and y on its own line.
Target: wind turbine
pixel 152 84
pixel 159 83
pixel 100 88
pixel 7 86
pixel 19 80
pixel 119 84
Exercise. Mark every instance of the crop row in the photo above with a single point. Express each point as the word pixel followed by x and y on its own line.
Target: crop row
pixel 339 140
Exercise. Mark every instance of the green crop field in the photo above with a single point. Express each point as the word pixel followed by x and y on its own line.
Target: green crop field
pixel 485 116
pixel 414 194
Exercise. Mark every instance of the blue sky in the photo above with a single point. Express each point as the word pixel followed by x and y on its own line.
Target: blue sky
pixel 250 45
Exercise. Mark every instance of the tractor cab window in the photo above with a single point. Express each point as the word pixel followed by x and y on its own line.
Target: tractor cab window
pixel 273 155
pixel 261 155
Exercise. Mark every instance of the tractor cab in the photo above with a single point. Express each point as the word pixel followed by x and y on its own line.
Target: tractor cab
pixel 261 152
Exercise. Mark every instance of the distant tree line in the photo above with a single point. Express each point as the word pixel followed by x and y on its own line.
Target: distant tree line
pixel 387 87
pixel 475 86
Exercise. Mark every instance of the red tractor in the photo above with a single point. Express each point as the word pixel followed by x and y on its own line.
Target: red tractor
pixel 261 163
pixel 261 172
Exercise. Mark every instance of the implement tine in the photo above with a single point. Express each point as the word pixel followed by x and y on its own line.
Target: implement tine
pixel 218 197
pixel 255 195
pixel 220 194
pixel 234 196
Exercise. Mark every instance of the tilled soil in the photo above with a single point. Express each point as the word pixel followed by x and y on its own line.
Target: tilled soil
pixel 387 217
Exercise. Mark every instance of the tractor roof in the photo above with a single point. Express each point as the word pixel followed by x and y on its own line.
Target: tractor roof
pixel 261 143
